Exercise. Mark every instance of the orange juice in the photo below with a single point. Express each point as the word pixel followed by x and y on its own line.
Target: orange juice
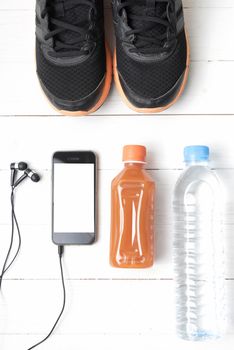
pixel 132 213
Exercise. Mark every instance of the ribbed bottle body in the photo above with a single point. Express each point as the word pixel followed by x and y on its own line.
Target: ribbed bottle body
pixel 198 254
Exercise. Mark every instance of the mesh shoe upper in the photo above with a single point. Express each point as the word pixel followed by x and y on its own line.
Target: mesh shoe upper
pixel 70 52
pixel 151 45
pixel 72 82
pixel 153 79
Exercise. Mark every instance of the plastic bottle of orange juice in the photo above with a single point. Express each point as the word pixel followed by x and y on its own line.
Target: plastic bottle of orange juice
pixel 132 212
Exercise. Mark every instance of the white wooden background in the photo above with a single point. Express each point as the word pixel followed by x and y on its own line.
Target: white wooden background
pixel 107 308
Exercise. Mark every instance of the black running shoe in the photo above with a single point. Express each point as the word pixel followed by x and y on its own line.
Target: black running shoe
pixel 73 62
pixel 152 55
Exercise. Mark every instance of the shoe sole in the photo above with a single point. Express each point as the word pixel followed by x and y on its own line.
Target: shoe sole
pixel 157 109
pixel 105 92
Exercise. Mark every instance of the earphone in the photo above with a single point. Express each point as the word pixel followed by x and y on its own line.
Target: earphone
pixel 15 182
pixel 27 173
pixel 15 167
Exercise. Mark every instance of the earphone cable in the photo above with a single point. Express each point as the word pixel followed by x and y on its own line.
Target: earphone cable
pixel 19 234
pixel 34 177
pixel 11 241
pixel 60 252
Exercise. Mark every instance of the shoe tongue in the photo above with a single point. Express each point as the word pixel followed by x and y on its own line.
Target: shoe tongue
pixel 152 8
pixel 78 15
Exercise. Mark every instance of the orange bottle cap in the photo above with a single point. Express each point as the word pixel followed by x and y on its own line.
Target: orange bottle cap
pixel 134 153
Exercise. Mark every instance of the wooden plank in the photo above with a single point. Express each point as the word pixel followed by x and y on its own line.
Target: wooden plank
pixel 121 308
pixel 35 139
pixel 113 341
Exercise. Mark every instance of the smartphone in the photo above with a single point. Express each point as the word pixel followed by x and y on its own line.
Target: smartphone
pixel 74 197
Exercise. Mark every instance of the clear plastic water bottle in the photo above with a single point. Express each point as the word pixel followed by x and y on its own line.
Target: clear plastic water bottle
pixel 198 249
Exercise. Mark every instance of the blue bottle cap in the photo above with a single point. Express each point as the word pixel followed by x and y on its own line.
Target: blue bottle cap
pixel 196 154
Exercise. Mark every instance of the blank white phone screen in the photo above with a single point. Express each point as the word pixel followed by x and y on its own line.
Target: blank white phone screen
pixel 73 198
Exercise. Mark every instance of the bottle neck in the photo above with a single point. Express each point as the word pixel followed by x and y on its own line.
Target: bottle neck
pixel 197 163
pixel 134 164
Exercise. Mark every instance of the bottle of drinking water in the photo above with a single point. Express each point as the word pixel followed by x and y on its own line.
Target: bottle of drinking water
pixel 198 249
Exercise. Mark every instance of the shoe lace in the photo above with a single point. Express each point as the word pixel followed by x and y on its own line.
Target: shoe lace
pixel 80 37
pixel 145 25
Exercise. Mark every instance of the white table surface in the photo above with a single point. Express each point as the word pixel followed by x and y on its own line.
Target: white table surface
pixel 107 308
